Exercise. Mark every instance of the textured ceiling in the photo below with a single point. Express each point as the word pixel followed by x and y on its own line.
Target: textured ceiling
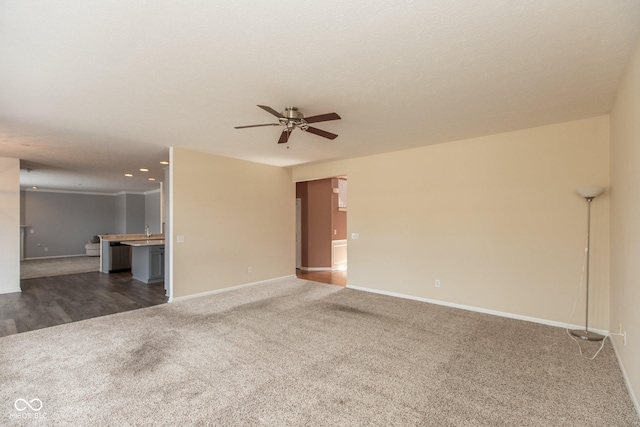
pixel 90 90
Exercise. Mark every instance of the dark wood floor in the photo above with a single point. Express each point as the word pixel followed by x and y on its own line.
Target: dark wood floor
pixel 51 301
pixel 332 277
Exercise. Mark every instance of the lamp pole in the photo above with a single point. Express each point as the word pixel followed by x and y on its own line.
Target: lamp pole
pixel 589 194
pixel 586 319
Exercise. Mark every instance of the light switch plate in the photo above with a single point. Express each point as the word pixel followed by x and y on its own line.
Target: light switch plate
pixel 180 238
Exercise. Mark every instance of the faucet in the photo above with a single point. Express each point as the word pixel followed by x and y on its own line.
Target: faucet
pixel 147 231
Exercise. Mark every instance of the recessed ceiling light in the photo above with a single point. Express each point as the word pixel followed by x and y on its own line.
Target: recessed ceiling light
pixel 34 187
pixel 144 170
pixel 152 179
pixel 128 174
pixel 164 162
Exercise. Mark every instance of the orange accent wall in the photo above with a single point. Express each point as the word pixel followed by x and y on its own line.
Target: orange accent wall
pixel 321 221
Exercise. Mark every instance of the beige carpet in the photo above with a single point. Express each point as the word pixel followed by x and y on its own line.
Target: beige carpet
pixel 294 353
pixel 33 268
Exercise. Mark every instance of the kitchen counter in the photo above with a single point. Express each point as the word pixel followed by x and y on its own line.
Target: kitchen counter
pixel 119 259
pixel 149 242
pixel 127 237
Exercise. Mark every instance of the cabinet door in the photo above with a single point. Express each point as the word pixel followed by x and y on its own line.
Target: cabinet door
pixel 156 264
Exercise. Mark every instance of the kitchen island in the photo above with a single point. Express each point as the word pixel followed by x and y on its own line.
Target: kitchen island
pixel 115 255
pixel 147 260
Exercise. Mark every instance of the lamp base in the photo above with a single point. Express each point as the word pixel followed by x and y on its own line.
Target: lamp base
pixel 587 335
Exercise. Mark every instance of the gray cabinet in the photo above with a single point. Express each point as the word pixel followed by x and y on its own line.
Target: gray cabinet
pixel 156 263
pixel 148 263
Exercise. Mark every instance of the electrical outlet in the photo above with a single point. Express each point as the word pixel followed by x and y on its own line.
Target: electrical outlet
pixel 250 270
pixel 437 283
pixel 46 249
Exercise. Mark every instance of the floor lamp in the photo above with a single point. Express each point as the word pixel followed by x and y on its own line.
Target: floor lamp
pixel 589 193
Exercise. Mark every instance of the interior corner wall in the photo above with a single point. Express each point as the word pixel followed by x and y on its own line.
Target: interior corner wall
pixel 130 213
pixel 61 223
pixel 9 225
pixel 22 208
pixel 152 211
pixel 120 213
pixel 496 219
pixel 135 213
pixel 625 222
pixel 233 215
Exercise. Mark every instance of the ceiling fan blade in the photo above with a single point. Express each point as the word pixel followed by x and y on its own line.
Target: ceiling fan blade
pixel 272 111
pixel 255 126
pixel 322 133
pixel 322 118
pixel 284 137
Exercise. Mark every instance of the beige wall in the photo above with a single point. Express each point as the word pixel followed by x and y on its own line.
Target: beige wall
pixel 625 220
pixel 9 225
pixel 234 214
pixel 495 218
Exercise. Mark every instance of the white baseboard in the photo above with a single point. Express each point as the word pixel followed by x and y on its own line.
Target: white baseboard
pixel 316 268
pixel 478 309
pixel 51 257
pixel 627 382
pixel 230 288
pixel 10 290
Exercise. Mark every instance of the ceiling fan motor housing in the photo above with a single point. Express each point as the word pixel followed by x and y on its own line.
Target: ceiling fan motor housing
pixel 292 118
pixel 292 113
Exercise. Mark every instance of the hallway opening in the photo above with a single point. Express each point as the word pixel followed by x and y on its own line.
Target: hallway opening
pixel 321 230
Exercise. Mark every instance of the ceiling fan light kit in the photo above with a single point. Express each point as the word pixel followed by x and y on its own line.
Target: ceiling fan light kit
pixel 292 118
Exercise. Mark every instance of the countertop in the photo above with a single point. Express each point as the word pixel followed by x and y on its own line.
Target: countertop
pixel 129 237
pixel 150 242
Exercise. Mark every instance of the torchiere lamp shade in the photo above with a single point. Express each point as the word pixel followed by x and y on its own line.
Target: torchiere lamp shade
pixel 590 192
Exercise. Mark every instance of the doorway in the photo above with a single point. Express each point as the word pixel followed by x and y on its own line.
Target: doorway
pixel 321 230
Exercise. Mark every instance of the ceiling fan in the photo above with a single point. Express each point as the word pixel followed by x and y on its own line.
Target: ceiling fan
pixel 292 118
